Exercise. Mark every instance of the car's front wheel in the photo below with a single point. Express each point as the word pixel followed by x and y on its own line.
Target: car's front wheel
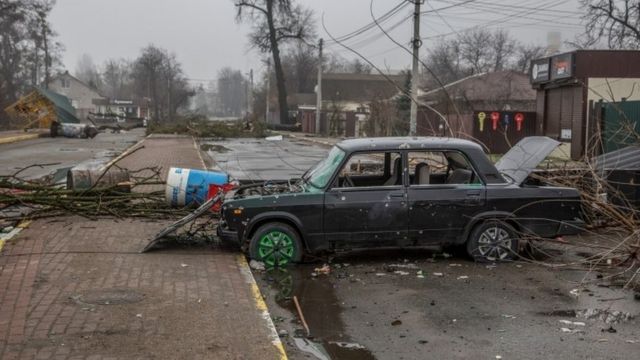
pixel 493 240
pixel 276 244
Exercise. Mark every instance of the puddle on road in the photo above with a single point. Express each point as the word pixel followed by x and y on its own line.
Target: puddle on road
pixel 321 310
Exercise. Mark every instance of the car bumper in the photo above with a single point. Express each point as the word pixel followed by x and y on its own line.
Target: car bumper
pixel 227 235
pixel 571 227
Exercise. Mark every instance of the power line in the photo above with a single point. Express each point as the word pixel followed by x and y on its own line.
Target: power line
pixel 502 20
pixel 522 12
pixel 386 16
pixel 519 7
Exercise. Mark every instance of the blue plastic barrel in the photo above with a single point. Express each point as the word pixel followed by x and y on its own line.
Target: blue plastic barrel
pixel 185 186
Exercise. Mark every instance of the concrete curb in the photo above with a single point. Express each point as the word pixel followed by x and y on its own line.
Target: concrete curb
pixel 261 306
pixel 17 138
pixel 308 139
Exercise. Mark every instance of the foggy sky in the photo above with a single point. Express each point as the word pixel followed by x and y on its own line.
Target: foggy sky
pixel 205 36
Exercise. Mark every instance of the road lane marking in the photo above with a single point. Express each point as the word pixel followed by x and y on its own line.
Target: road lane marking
pixel 261 306
pixel 12 139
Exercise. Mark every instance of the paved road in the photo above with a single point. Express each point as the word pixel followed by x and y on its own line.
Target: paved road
pixel 62 151
pixel 259 159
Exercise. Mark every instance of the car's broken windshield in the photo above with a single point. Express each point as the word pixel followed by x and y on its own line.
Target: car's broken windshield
pixel 319 175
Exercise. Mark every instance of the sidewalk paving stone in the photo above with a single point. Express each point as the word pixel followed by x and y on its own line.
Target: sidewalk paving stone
pixel 74 288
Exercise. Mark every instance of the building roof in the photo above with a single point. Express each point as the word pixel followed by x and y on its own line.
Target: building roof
pixel 64 110
pixel 360 87
pixel 500 85
pixel 67 74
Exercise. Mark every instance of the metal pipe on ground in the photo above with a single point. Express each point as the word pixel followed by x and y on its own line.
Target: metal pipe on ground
pixel 84 179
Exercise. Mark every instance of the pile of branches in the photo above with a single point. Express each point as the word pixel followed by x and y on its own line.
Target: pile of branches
pixel 24 199
pixel 613 233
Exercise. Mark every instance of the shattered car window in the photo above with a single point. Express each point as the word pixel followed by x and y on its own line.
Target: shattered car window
pixel 319 175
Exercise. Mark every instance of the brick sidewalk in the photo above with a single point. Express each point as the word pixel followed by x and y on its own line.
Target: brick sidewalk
pixel 72 288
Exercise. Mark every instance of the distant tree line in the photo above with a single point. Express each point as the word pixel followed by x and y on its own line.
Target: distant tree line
pixel 155 76
pixel 478 51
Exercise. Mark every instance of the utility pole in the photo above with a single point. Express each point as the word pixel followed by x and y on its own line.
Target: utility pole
pixel 250 95
pixel 266 114
pixel 319 89
pixel 417 42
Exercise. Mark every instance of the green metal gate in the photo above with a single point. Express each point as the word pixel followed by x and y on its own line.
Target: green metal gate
pixel 620 125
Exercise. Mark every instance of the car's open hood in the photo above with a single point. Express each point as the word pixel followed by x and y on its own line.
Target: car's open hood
pixel 525 156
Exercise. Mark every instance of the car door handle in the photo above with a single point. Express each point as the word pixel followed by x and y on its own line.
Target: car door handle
pixel 396 195
pixel 472 193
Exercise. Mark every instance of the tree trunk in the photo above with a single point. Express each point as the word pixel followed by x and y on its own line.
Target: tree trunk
pixel 156 108
pixel 280 81
pixel 47 58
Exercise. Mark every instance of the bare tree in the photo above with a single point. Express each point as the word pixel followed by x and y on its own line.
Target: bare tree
pixel 476 50
pixel 445 59
pixel 87 72
pixel 232 92
pixel 158 75
pixel 28 50
pixel 526 53
pixel 274 23
pixel 615 21
pixel 116 77
pixel 503 49
pixel 299 64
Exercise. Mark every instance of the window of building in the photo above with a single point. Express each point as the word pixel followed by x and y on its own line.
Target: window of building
pixel 65 83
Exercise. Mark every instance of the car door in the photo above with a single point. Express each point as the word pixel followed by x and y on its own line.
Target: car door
pixel 441 207
pixel 371 211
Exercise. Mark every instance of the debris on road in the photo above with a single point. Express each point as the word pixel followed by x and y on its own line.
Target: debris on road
pixel 607 315
pixel 463 277
pixel 274 138
pixel 438 274
pixel 610 330
pixel 396 322
pixel 203 209
pixel 571 331
pixel 301 315
pixel 257 265
pixel 323 270
pixel 70 130
pixel 575 323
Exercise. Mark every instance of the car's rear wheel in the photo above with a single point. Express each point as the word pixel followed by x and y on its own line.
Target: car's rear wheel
pixel 493 240
pixel 276 244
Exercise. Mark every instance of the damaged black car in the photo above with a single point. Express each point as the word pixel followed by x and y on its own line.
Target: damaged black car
pixel 403 193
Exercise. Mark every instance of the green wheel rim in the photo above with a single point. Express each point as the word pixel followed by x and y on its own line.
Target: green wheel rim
pixel 276 248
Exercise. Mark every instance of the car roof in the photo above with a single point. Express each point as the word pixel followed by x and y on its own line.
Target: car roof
pixel 415 142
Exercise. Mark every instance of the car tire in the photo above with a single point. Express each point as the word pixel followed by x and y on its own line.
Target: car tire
pixel 276 244
pixel 493 241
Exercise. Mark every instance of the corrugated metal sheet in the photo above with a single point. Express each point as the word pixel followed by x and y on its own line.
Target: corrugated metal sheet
pixel 627 158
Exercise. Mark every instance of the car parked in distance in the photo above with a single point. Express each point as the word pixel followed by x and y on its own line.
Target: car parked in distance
pixel 403 192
